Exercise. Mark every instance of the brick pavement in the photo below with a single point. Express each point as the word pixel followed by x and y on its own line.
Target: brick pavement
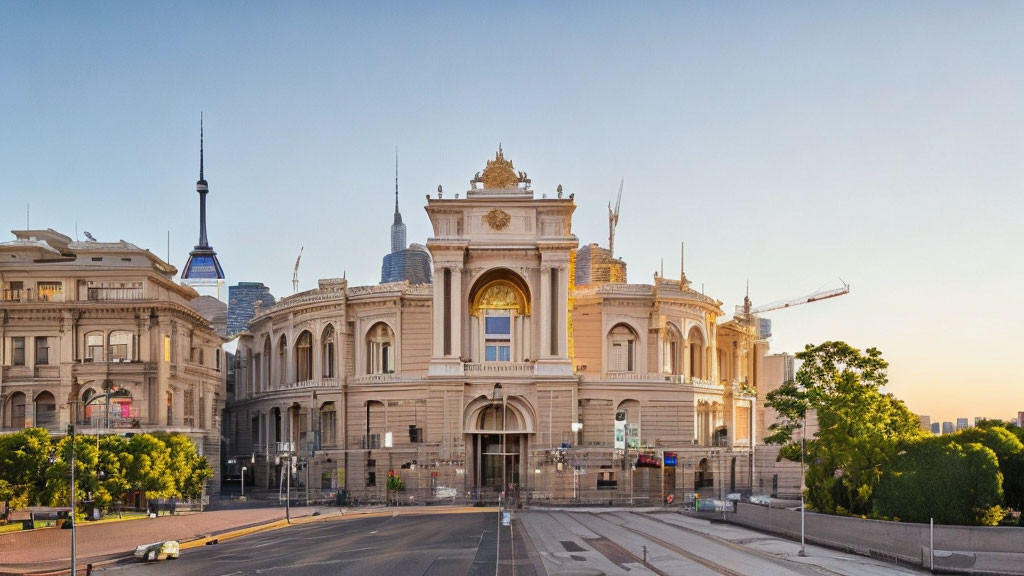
pixel 50 548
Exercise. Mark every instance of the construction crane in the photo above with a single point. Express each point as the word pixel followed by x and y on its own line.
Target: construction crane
pixel 613 220
pixel 747 314
pixel 295 273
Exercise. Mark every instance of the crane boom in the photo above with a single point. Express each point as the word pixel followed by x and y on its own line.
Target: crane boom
pixel 295 272
pixel 819 295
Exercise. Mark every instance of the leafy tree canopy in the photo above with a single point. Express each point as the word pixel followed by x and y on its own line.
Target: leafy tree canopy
pixel 859 426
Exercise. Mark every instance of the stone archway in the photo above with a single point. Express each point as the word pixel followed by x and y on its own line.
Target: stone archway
pixel 498 432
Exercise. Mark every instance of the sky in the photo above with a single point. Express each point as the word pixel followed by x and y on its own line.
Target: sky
pixel 787 144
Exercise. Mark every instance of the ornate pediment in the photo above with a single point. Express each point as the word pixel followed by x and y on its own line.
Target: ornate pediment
pixel 499 174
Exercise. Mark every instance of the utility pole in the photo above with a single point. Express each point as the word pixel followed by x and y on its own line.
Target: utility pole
pixel 288 492
pixel 74 555
pixel 803 506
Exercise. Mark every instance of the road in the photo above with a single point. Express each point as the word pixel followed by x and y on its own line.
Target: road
pixel 427 544
pixel 540 542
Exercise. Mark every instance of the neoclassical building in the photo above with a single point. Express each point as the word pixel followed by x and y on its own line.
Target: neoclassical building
pixel 78 319
pixel 502 371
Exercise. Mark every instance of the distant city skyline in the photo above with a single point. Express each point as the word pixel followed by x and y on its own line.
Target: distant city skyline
pixel 785 145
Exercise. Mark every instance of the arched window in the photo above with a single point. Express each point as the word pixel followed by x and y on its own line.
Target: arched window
pixel 94 347
pixel 327 352
pixel 46 410
pixel 170 408
pixel 87 395
pixel 622 348
pixel 266 376
pixel 631 410
pixel 122 346
pixel 16 419
pixel 671 352
pixel 697 345
pixel 499 305
pixel 282 364
pixel 380 349
pixel 304 357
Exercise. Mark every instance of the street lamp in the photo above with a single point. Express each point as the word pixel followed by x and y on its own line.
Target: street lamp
pixel 497 396
pixel 288 486
pixel 576 427
pixel 74 555
pixel 803 506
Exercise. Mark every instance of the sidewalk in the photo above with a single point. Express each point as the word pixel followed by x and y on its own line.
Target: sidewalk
pixel 50 549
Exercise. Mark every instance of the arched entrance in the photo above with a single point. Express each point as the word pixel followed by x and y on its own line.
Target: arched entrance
pixel 498 428
pixel 702 477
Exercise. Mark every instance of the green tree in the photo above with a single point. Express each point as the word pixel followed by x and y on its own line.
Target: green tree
pixel 147 467
pixel 24 458
pixel 859 426
pixel 187 467
pixel 939 478
pixel 57 490
pixel 1006 439
pixel 112 470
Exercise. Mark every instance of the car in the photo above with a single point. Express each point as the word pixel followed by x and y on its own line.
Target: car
pixel 158 551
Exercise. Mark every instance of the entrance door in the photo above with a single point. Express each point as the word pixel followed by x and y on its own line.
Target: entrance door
pixel 499 465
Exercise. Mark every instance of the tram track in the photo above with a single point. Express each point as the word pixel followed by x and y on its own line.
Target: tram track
pixel 810 570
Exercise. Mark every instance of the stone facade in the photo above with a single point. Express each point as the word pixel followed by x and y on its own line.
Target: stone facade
pixel 78 318
pixel 500 372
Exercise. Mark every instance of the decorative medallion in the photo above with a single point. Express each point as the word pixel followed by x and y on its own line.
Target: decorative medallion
pixel 497 219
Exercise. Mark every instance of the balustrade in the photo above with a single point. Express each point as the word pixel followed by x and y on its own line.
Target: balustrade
pixel 498 368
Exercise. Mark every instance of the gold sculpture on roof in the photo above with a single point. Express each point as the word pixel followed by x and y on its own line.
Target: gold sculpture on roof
pixel 497 219
pixel 499 173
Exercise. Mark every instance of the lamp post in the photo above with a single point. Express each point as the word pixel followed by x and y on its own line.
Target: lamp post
pixel 803 506
pixel 74 555
pixel 497 396
pixel 576 427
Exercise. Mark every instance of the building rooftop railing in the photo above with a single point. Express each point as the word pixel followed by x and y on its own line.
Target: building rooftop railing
pixel 498 368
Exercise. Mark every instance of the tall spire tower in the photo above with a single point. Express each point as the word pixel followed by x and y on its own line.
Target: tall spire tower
pixel 202 268
pixel 398 231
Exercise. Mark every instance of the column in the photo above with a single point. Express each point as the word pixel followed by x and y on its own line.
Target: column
pixel 563 312
pixel 545 307
pixel 456 320
pixel 684 357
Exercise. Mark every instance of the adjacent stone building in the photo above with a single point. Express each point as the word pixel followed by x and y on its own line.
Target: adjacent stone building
pixel 502 372
pixel 81 318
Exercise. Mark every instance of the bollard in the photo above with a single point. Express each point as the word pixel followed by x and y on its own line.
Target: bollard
pixel 645 554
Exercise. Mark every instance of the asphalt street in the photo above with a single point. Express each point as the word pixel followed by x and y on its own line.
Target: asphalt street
pixel 448 544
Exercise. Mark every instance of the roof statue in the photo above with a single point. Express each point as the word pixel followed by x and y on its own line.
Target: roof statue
pixel 500 174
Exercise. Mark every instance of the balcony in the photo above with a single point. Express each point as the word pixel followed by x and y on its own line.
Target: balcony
pixel 27 295
pixel 498 369
pixel 700 384
pixel 307 384
pixel 376 378
pixel 643 377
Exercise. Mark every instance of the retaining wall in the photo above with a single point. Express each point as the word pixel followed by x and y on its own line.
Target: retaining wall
pixel 980 549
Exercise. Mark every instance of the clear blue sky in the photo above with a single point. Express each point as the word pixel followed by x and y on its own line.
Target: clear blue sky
pixel 790 144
